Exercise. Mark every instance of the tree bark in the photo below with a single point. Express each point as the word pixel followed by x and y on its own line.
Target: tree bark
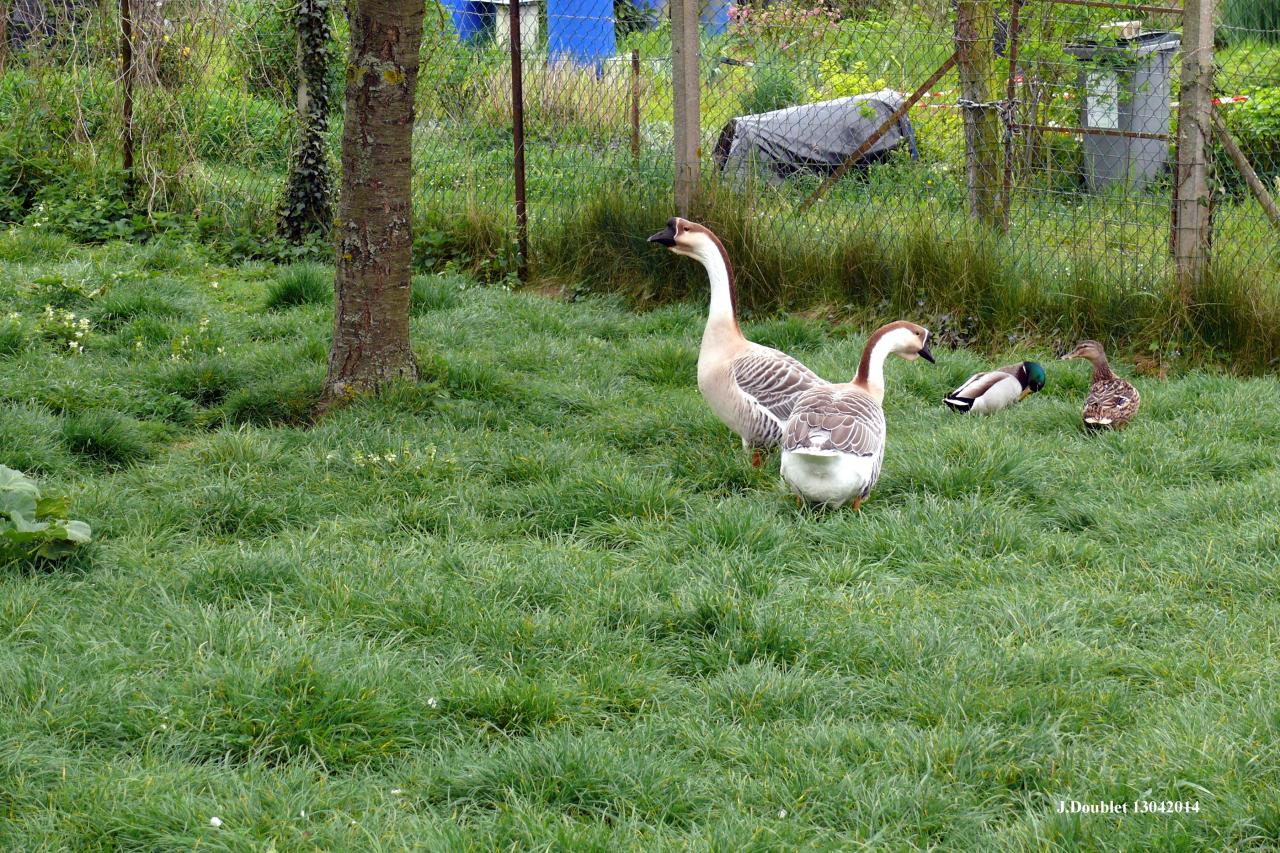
pixel 371 318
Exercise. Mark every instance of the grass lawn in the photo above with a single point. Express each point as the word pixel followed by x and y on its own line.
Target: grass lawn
pixel 540 600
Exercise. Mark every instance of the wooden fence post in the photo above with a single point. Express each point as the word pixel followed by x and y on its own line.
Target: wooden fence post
pixel 4 34
pixel 517 141
pixel 975 61
pixel 686 89
pixel 126 83
pixel 1192 224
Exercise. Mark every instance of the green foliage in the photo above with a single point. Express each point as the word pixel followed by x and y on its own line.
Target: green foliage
pixel 473 239
pixel 39 118
pixel 34 527
pixel 307 205
pixel 301 284
pixel 1255 125
pixel 227 125
pixel 549 604
pixel 106 436
pixel 15 334
pixel 434 293
pixel 289 399
pixel 844 74
pixel 772 88
pixel 1261 17
pixel 265 50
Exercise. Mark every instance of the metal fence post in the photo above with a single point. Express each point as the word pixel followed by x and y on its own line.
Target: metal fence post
pixel 685 87
pixel 635 105
pixel 975 61
pixel 126 83
pixel 517 138
pixel 1192 224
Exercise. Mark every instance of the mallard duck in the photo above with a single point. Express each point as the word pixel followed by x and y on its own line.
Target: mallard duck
pixel 834 441
pixel 1112 402
pixel 994 390
pixel 750 387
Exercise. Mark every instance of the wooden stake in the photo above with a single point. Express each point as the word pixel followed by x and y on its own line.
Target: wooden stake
pixel 126 85
pixel 975 60
pixel 517 139
pixel 686 91
pixel 1251 178
pixel 1011 92
pixel 1192 224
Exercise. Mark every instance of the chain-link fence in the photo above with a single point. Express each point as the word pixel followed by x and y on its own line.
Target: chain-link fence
pixel 1053 122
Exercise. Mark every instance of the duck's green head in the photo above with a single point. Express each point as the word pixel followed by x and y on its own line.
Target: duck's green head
pixel 1035 376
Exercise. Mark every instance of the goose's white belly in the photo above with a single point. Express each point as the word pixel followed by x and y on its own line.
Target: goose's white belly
pixel 828 477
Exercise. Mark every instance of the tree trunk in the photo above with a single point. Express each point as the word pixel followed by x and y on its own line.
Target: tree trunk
pixel 371 320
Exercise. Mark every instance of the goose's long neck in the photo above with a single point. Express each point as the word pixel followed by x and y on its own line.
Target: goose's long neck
pixel 722 316
pixel 870 376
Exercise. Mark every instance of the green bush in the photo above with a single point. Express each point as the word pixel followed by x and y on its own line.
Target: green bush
pixel 15 335
pixel 288 400
pixel 1255 125
pixel 106 436
pixel 301 284
pixel 233 126
pixel 265 51
pixel 1260 15
pixel 32 526
pixel 38 118
pixel 772 88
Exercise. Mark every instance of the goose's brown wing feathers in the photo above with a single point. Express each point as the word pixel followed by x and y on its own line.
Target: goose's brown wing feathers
pixel 773 379
pixel 833 419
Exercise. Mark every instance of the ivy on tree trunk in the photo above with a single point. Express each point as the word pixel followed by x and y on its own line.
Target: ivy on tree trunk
pixel 308 199
pixel 371 322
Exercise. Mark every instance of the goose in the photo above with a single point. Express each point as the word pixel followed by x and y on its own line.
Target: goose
pixel 834 441
pixel 993 390
pixel 750 387
pixel 1112 402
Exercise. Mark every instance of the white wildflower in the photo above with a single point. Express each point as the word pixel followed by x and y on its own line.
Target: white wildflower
pixel 782 812
pixel 433 702
pixel 215 821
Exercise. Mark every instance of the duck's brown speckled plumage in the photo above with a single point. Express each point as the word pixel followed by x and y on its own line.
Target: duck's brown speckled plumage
pixel 1112 401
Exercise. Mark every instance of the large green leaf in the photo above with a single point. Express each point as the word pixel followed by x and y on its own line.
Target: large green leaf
pixel 77 532
pixel 18 493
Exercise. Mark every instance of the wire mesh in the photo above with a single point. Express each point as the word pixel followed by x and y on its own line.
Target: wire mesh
pixel 1065 120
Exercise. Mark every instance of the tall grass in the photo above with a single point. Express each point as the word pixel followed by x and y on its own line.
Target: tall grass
pixel 1263 16
pixel 915 270
pixel 543 601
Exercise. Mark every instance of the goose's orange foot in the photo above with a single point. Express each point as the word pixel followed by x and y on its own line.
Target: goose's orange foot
pixel 857 503
pixel 799 502
pixel 757 457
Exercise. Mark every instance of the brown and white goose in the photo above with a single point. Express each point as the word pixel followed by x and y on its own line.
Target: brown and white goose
pixel 834 441
pixel 750 387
